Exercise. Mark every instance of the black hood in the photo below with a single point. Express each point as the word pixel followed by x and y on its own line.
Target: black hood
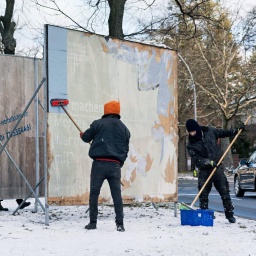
pixel 192 125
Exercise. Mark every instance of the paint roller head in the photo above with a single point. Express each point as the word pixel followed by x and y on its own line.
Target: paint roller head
pixel 59 102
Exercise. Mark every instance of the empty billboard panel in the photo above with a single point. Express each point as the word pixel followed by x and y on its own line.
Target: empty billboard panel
pixel 90 70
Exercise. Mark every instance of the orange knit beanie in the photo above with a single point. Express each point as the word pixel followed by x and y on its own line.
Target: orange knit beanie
pixel 112 107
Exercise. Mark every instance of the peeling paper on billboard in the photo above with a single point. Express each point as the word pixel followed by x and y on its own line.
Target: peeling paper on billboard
pixel 144 79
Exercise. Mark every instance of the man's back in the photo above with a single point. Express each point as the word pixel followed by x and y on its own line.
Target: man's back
pixel 110 138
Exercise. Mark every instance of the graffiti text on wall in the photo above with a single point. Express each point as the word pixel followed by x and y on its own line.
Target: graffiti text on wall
pixel 12 118
pixel 16 132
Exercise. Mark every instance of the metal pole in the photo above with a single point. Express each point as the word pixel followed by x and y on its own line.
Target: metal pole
pixel 193 84
pixel 36 131
pixel 195 109
pixel 45 159
pixel 45 129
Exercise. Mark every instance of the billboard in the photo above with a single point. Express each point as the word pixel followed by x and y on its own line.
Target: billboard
pixel 90 70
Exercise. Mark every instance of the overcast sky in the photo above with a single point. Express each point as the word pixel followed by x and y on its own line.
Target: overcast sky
pixel 30 21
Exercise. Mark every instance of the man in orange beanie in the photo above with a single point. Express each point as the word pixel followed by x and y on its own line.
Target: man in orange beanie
pixel 109 149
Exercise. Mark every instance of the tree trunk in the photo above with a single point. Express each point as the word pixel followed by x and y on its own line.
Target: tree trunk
pixel 7 28
pixel 115 20
pixel 228 160
pixel 225 142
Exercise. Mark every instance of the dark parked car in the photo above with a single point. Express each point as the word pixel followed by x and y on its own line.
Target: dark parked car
pixel 244 176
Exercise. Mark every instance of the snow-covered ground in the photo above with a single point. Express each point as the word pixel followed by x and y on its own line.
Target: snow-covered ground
pixel 149 232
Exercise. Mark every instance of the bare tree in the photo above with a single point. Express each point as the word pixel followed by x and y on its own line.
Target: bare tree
pixel 249 25
pixel 224 80
pixel 7 28
pixel 144 16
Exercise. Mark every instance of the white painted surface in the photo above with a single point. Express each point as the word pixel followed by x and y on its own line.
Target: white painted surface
pixel 98 71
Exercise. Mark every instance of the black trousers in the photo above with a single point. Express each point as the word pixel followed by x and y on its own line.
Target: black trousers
pixel 220 182
pixel 111 171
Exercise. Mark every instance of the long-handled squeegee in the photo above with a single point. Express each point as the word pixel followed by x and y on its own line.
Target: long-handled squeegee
pixel 62 103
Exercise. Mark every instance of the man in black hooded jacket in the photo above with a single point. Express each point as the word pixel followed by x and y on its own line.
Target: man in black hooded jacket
pixel 205 153
pixel 109 149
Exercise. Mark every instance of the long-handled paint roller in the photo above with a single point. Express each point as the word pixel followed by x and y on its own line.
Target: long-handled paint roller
pixel 62 103
pixel 213 171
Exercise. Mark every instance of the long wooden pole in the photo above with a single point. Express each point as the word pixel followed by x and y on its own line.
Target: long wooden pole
pixel 233 141
pixel 79 129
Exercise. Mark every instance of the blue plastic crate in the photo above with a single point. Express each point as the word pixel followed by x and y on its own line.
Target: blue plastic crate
pixel 197 217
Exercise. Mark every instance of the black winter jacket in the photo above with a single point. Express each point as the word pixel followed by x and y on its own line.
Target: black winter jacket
pixel 110 138
pixel 203 151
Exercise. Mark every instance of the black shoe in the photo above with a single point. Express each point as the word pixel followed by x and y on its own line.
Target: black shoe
pixel 120 228
pixel 91 225
pixel 232 219
pixel 19 201
pixel 2 208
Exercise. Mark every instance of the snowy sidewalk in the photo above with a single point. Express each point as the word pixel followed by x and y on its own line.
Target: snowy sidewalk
pixel 149 232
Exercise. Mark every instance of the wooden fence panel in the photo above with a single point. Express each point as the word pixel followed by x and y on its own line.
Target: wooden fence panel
pixel 17 86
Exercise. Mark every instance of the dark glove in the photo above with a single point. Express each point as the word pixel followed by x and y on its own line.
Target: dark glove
pixel 81 135
pixel 213 164
pixel 241 127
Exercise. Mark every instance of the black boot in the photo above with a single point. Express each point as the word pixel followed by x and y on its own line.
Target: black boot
pixel 91 225
pixel 120 226
pixel 2 208
pixel 19 201
pixel 230 217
